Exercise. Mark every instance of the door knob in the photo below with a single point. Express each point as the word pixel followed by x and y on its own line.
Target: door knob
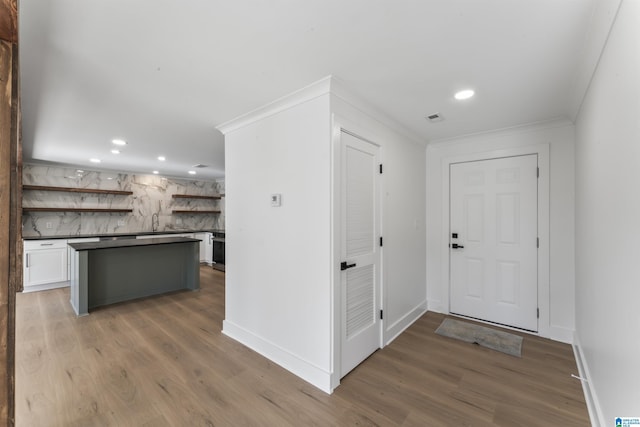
pixel 344 265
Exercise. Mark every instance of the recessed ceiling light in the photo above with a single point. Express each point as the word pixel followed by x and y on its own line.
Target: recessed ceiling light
pixel 192 172
pixel 162 158
pixel 119 141
pixel 79 171
pixel 464 94
pixel 94 160
pixel 109 178
pixel 115 151
pixel 156 172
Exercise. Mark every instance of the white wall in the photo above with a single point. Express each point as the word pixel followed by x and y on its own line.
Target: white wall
pixel 608 223
pixel 403 216
pixel 560 137
pixel 278 258
pixel 283 263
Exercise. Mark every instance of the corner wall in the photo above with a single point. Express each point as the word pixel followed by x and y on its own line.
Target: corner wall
pixel 560 137
pixel 278 259
pixel 608 224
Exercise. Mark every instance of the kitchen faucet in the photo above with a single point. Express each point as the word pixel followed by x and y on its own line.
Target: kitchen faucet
pixel 155 222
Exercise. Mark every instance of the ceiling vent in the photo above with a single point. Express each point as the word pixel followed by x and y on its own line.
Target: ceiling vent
pixel 435 117
pixel 199 165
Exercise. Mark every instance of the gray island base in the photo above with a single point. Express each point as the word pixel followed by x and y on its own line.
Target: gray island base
pixel 113 271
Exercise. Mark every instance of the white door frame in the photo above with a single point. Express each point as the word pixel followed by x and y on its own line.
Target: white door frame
pixel 338 124
pixel 542 150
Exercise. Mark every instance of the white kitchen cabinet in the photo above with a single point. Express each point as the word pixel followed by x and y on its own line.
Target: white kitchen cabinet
pixel 45 264
pixel 206 246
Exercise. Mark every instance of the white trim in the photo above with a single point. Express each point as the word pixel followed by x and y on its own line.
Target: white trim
pixel 542 150
pixel 329 84
pixel 404 322
pixel 558 333
pixel 289 361
pixel 591 398
pixel 512 130
pixel 45 286
pixel 336 314
pixel 435 306
pixel 339 89
pixel 307 93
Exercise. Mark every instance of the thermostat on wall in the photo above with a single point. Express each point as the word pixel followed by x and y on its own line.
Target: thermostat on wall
pixel 276 200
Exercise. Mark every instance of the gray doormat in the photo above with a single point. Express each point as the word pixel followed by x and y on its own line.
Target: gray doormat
pixel 468 332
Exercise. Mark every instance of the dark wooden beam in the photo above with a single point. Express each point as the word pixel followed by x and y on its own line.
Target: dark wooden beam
pixel 9 20
pixel 10 200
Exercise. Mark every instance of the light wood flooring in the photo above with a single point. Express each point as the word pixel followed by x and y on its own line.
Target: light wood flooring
pixel 163 361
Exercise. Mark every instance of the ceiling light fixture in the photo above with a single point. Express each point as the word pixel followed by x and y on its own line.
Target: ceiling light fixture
pixel 192 172
pixel 94 160
pixel 115 151
pixel 156 172
pixel 79 171
pixel 119 141
pixel 464 94
pixel 162 158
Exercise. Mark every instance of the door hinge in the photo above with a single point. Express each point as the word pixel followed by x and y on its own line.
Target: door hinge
pixel 537 313
pixel 537 242
pixel 380 241
pixel 380 167
pixel 538 172
pixel 381 315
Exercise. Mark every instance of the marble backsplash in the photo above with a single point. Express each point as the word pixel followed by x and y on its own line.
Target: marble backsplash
pixel 151 195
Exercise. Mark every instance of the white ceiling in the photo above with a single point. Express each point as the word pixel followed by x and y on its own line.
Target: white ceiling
pixel 162 74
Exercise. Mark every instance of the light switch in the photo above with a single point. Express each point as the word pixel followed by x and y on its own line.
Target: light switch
pixel 276 200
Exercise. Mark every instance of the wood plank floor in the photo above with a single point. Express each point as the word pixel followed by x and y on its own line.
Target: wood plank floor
pixel 163 361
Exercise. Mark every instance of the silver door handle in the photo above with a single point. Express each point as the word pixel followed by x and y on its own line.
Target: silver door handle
pixel 46 244
pixel 27 260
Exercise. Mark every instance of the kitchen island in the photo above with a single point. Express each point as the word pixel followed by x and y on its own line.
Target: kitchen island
pixel 113 271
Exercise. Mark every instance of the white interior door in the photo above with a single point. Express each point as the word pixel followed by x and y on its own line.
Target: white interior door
pixel 493 240
pixel 360 275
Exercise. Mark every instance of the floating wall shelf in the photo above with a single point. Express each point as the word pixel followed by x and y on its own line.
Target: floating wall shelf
pixel 76 210
pixel 76 190
pixel 195 212
pixel 193 196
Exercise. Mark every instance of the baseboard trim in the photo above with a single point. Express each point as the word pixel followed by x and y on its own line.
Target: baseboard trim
pixel 557 333
pixel 435 306
pixel 590 396
pixel 292 363
pixel 404 322
pixel 45 287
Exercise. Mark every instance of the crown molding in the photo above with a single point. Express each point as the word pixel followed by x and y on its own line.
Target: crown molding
pixel 307 93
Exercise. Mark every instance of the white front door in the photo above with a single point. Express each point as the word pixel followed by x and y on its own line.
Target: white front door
pixel 493 240
pixel 360 252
